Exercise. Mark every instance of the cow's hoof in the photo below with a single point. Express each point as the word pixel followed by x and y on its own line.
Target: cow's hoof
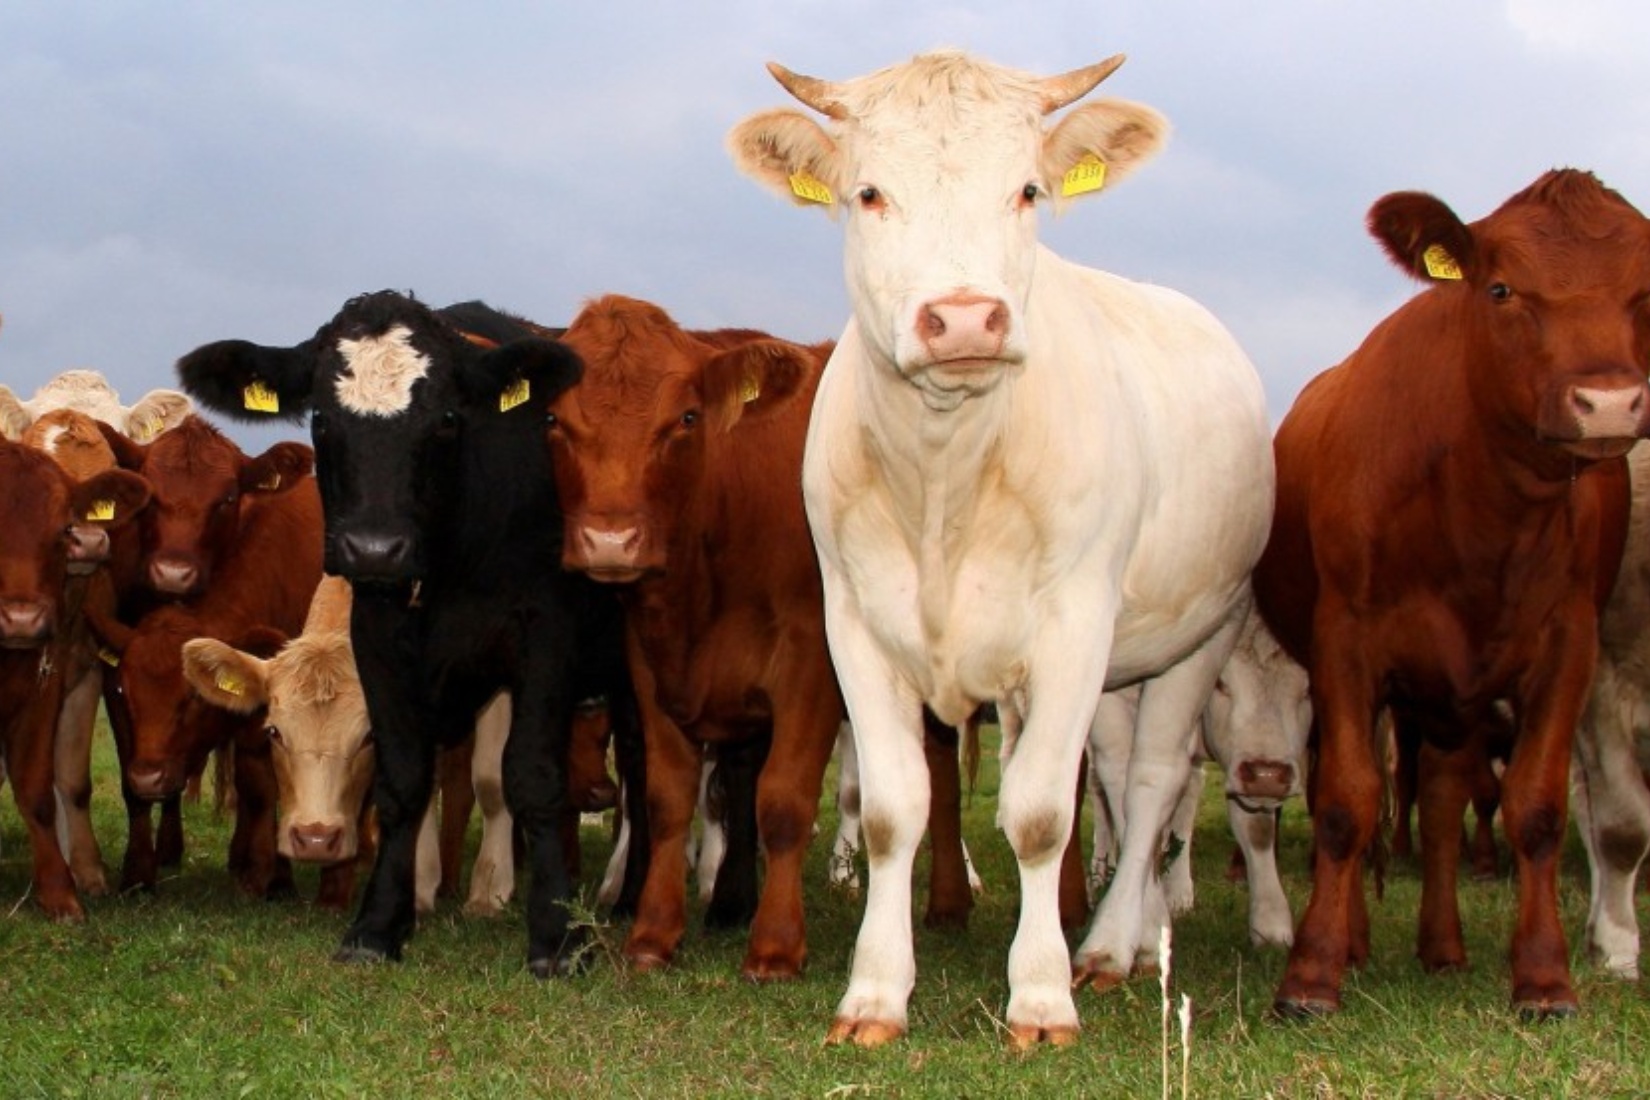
pixel 1097 976
pixel 646 962
pixel 1304 1008
pixel 565 965
pixel 863 1033
pixel 774 969
pixel 359 954
pixel 1027 1036
pixel 1536 1012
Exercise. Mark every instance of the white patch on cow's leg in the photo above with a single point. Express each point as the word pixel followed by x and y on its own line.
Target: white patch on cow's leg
pixel 706 857
pixel 72 772
pixel 613 878
pixel 844 868
pixel 379 373
pixel 1611 805
pixel 1270 922
pixel 427 862
pixel 493 879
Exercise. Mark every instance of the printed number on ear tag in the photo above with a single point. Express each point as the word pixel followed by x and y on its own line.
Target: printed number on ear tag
pixel 1439 263
pixel 258 397
pixel 1089 175
pixel 514 394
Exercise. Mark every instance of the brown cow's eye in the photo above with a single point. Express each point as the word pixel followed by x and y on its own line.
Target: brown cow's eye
pixel 275 738
pixel 1500 292
pixel 690 418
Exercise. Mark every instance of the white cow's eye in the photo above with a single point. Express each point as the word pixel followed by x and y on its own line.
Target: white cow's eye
pixel 1030 192
pixel 870 198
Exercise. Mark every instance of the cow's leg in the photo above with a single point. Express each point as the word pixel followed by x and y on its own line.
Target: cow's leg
pixel 843 866
pixel 493 878
pixel 28 756
pixel 1160 762
pixel 1534 798
pixel 673 764
pixel 138 869
pixel 427 856
pixel 1178 891
pixel 1486 800
pixel 454 779
pixel 1110 743
pixel 1270 922
pixel 949 898
pixel 72 775
pixel 1612 811
pixel 401 785
pixel 535 789
pixel 894 795
pixel 787 804
pixel 1345 799
pixel 630 758
pixel 729 842
pixel 1442 793
pixel 264 873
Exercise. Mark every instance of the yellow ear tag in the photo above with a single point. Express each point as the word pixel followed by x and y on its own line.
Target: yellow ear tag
pixel 100 511
pixel 809 189
pixel 271 483
pixel 1439 263
pixel 108 656
pixel 260 398
pixel 228 682
pixel 1089 175
pixel 516 393
pixel 750 388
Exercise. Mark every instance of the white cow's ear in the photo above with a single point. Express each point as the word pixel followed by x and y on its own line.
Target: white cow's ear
pixel 15 418
pixel 1114 133
pixel 157 411
pixel 787 152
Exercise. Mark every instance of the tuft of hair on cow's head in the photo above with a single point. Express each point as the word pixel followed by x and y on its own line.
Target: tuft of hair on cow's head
pixel 1424 237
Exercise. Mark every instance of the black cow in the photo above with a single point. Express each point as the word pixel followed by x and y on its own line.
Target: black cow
pixel 441 511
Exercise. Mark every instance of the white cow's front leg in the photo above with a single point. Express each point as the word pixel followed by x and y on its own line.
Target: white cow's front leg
pixel 1160 764
pixel 1270 922
pixel 894 796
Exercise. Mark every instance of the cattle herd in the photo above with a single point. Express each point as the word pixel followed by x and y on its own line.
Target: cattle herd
pixel 1013 486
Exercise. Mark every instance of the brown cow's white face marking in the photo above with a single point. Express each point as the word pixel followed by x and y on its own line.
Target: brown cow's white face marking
pixel 379 373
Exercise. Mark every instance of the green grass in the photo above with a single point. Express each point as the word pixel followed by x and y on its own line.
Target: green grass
pixel 197 991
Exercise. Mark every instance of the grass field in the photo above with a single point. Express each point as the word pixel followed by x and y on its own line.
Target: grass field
pixel 196 991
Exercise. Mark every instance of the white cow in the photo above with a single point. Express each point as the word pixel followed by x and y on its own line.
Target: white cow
pixel 1612 747
pixel 1027 480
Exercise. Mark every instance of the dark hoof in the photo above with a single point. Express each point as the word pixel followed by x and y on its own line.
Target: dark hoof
pixel 568 964
pixel 1304 1008
pixel 356 954
pixel 1540 1012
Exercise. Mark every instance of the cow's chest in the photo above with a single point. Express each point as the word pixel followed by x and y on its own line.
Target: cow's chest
pixel 953 589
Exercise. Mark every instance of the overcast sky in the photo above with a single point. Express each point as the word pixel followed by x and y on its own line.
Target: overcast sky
pixel 174 173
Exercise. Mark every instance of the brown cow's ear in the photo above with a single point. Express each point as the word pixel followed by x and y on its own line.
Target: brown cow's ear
pixel 224 676
pixel 277 469
pixel 1423 237
pixel 129 453
pixel 109 499
pixel 754 379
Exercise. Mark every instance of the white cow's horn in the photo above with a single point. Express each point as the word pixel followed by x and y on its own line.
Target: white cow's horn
pixel 1068 87
pixel 819 94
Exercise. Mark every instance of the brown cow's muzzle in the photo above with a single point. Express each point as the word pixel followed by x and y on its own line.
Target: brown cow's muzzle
pixel 608 553
pixel 25 623
pixel 88 549
pixel 153 780
pixel 173 574
pixel 1602 419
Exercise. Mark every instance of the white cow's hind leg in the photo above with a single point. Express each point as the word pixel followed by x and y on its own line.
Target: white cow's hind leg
pixel 1160 763
pixel 493 879
pixel 72 775
pixel 1178 890
pixel 844 869
pixel 427 862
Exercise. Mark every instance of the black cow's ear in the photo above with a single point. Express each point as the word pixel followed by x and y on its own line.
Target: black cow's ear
pixel 526 373
pixel 248 381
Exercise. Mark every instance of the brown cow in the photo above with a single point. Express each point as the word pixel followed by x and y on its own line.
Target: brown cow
pixel 1451 510
pixel 266 580
pixel 39 503
pixel 676 458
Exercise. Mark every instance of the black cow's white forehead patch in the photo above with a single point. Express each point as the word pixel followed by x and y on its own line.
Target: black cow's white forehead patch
pixel 379 372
